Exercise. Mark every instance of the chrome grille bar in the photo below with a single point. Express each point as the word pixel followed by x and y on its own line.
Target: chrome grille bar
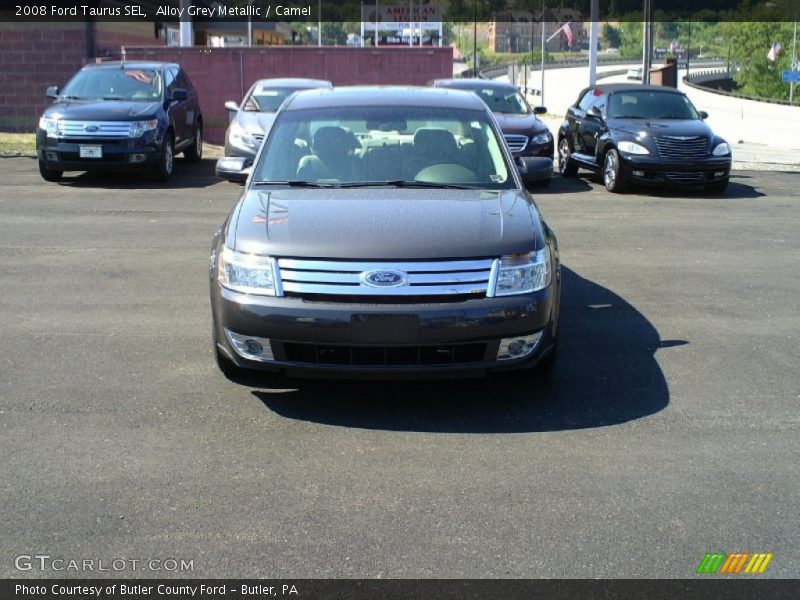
pixel 516 143
pixel 421 278
pixel 692 148
pixel 94 129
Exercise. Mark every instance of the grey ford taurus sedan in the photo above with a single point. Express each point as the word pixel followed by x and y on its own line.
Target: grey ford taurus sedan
pixel 384 231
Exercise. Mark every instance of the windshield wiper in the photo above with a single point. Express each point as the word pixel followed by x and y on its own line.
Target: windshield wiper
pixel 297 183
pixel 402 183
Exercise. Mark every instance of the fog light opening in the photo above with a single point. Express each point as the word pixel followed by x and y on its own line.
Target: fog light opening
pixel 638 173
pixel 52 156
pixel 720 173
pixel 518 347
pixel 137 158
pixel 250 347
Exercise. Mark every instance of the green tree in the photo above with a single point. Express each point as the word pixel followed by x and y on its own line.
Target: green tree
pixel 749 44
pixel 333 33
pixel 612 36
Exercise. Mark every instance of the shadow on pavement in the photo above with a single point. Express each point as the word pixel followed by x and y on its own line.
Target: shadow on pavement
pixel 186 175
pixel 607 374
pixel 561 185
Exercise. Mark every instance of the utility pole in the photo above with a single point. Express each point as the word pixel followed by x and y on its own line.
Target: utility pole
pixel 647 51
pixel 595 17
pixel 541 93
pixel 475 38
pixel 794 61
pixel 319 22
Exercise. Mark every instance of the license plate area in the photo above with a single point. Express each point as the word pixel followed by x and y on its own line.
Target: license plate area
pixel 90 151
pixel 384 329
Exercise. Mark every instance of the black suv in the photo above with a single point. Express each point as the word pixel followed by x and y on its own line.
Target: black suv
pixel 121 116
pixel 648 135
pixel 384 230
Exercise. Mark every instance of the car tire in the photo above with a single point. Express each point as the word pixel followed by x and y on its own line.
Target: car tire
pixel 49 174
pixel 718 187
pixel 613 172
pixel 566 165
pixel 166 165
pixel 195 152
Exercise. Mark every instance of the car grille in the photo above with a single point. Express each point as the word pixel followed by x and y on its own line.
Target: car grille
pixel 313 279
pixel 94 129
pixel 383 356
pixel 681 148
pixel 516 143
pixel 685 177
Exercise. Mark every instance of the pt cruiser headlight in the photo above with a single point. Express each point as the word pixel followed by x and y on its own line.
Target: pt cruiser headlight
pixel 632 148
pixel 247 273
pixel 50 125
pixel 523 273
pixel 722 149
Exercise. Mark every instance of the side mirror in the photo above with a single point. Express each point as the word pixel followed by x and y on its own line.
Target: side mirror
pixel 234 168
pixel 534 168
pixel 179 95
pixel 540 110
pixel 703 115
pixel 232 109
pixel 52 92
pixel 594 113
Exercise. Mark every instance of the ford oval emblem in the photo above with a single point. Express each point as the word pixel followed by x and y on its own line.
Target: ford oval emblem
pixel 91 128
pixel 384 278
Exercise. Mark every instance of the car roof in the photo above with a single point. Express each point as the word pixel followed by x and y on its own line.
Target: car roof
pixel 299 82
pixel 133 64
pixel 383 96
pixel 474 84
pixel 608 88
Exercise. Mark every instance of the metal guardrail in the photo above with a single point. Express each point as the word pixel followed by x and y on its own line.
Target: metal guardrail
pixel 696 81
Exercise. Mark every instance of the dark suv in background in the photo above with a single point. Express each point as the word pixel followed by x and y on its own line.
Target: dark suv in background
pixel 121 116
pixel 525 135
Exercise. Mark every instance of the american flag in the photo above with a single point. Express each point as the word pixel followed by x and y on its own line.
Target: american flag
pixel 773 53
pixel 568 33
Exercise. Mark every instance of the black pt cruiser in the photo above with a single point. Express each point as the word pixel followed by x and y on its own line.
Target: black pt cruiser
pixel 121 116
pixel 646 135
pixel 384 231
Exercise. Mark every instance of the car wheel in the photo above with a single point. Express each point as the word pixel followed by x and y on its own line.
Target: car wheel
pixel 613 174
pixel 167 163
pixel 49 174
pixel 718 187
pixel 195 152
pixel 566 166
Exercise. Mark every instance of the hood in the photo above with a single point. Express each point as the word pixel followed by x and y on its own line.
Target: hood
pixel 102 110
pixel 255 122
pixel 510 123
pixel 655 127
pixel 384 224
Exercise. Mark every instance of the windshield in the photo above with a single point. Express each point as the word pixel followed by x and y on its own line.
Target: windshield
pixel 267 99
pixel 504 101
pixel 389 145
pixel 650 105
pixel 114 84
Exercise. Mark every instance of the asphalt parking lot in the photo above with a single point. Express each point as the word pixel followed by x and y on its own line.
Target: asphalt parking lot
pixel 669 429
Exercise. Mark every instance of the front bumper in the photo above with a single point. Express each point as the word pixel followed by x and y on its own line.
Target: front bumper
pixel 345 339
pixel 117 155
pixel 545 150
pixel 648 170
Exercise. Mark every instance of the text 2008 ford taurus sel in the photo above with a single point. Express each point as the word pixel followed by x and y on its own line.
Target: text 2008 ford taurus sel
pixel 384 231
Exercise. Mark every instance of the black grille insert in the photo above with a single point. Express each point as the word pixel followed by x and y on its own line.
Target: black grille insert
pixel 385 356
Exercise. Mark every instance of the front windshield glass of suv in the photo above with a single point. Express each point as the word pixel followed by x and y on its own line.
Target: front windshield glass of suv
pixel 413 146
pixel 646 104
pixel 267 99
pixel 503 101
pixel 114 84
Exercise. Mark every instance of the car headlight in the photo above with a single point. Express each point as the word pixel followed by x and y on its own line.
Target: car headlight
pixel 523 273
pixel 50 125
pixel 139 128
pixel 722 149
pixel 541 138
pixel 247 273
pixel 632 148
pixel 241 139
